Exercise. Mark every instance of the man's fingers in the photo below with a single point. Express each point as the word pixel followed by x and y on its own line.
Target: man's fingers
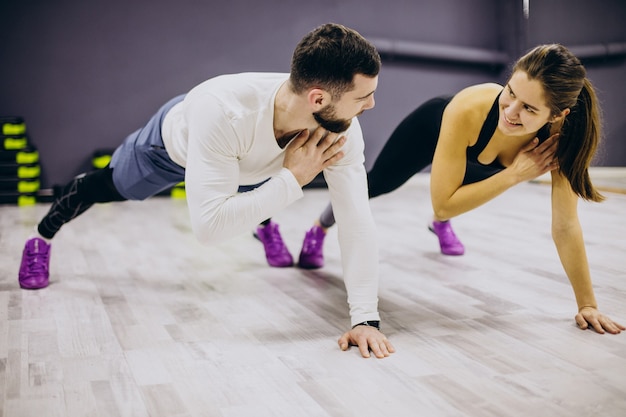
pixel 333 153
pixel 335 146
pixel 343 342
pixel 378 343
pixel 326 140
pixel 389 346
pixel 336 157
pixel 364 347
pixel 319 137
pixel 380 349
pixel 300 139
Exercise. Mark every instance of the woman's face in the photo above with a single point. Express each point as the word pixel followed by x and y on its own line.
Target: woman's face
pixel 523 109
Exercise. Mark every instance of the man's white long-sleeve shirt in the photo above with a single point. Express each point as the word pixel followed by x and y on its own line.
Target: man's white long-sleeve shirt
pixel 223 134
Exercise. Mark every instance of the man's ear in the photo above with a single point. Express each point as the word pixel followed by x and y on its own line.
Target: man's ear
pixel 318 98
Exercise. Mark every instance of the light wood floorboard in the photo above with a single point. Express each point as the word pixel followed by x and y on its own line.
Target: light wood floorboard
pixel 141 320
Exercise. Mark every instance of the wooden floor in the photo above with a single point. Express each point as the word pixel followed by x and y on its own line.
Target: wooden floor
pixel 140 320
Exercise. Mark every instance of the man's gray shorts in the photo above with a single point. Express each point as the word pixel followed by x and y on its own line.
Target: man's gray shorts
pixel 141 166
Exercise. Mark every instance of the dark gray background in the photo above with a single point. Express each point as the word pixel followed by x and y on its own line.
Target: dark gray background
pixel 85 73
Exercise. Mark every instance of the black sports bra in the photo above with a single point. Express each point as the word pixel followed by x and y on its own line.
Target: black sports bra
pixel 476 171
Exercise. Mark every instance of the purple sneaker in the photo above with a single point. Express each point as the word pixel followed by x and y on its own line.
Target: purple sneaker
pixel 312 253
pixel 449 243
pixel 276 252
pixel 34 270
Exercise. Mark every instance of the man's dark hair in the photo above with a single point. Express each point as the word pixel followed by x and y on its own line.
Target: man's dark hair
pixel 329 57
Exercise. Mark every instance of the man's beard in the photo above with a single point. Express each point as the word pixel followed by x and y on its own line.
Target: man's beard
pixel 326 119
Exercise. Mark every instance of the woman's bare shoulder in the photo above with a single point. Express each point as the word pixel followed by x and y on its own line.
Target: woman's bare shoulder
pixel 478 95
pixel 466 113
pixel 474 102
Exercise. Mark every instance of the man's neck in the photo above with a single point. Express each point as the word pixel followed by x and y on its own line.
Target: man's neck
pixel 290 115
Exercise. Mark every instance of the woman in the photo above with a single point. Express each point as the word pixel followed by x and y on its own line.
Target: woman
pixel 485 140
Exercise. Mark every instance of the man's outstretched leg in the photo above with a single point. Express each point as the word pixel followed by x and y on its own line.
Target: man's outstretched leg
pixel 75 198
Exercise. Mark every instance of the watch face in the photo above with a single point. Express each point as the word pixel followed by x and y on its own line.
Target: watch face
pixel 370 323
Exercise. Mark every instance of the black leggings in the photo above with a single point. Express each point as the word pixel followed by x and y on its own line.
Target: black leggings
pixel 76 197
pixel 409 150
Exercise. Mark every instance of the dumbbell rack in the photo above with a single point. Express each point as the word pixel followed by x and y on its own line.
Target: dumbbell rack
pixel 19 164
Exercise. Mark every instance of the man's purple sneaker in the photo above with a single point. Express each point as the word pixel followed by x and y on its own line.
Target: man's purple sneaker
pixel 449 243
pixel 312 253
pixel 34 270
pixel 276 252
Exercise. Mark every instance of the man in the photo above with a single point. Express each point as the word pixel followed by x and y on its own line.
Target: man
pixel 241 129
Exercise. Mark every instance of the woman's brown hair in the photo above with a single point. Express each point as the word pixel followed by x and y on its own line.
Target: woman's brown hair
pixel 565 85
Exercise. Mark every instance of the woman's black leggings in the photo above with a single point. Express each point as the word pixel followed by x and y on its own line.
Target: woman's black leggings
pixel 409 150
pixel 80 194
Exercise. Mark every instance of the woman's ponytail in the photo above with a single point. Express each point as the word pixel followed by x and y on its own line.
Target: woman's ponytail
pixel 578 142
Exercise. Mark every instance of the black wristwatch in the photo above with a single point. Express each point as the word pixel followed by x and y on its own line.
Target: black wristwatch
pixel 370 323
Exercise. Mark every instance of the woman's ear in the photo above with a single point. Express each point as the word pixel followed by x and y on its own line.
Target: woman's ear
pixel 561 116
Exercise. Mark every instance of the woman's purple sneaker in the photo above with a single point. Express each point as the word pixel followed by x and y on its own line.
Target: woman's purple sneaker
pixel 449 243
pixel 35 266
pixel 312 253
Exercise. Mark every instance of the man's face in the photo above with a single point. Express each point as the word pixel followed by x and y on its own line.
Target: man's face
pixel 336 117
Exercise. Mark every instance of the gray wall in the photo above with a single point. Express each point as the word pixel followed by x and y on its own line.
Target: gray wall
pixel 85 73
